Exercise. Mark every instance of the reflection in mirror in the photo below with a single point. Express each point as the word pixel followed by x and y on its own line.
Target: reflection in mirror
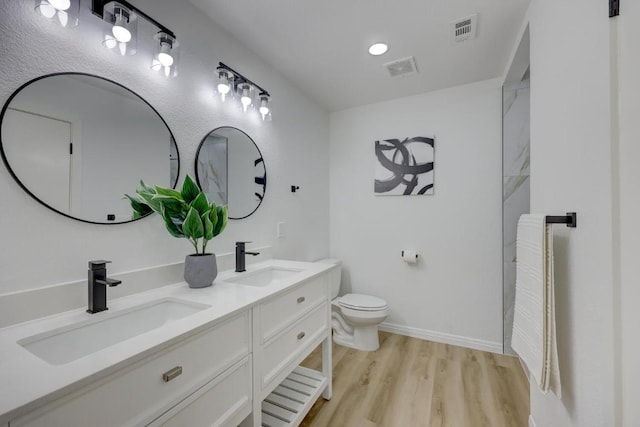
pixel 77 143
pixel 231 171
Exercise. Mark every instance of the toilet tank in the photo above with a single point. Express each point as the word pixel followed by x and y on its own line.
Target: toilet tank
pixel 335 275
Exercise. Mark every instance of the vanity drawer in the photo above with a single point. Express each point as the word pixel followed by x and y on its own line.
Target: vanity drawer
pixel 138 393
pixel 224 401
pixel 288 345
pixel 276 314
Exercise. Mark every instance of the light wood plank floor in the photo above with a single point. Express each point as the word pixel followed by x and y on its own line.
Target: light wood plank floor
pixel 410 382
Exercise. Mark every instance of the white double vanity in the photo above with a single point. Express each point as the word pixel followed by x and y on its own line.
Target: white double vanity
pixel 226 355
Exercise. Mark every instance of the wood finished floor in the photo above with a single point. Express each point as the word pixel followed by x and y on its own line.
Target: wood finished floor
pixel 410 382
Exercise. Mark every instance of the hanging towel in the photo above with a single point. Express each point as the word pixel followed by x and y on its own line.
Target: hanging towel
pixel 534 323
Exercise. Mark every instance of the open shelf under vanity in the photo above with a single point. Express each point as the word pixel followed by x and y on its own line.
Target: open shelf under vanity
pixel 289 403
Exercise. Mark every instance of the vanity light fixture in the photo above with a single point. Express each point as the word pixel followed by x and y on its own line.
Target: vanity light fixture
pixel 120 28
pixel 230 83
pixel 165 59
pixel 245 98
pixel 64 12
pixel 120 31
pixel 225 83
pixel 264 106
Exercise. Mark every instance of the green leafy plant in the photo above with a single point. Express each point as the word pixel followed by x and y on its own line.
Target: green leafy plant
pixel 186 213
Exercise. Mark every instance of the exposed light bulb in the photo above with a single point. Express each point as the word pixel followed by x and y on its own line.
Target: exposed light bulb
pixel 245 100
pixel 223 90
pixel 60 4
pixel 224 86
pixel 166 55
pixel 264 107
pixel 165 59
pixel 121 21
pixel 121 33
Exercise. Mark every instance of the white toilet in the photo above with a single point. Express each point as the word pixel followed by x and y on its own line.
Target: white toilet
pixel 355 317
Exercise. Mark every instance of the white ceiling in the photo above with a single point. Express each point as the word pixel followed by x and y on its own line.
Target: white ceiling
pixel 321 46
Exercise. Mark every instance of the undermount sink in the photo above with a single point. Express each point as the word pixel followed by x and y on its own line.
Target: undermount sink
pixel 264 277
pixel 64 345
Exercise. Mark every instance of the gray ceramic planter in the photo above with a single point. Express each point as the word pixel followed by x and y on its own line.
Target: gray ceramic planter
pixel 200 270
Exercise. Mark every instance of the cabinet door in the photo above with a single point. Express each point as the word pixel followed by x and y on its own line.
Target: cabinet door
pixel 225 401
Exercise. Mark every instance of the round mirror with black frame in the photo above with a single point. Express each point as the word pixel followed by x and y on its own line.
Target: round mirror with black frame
pixel 230 170
pixel 78 142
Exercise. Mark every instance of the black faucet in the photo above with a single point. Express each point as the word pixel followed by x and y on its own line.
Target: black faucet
pixel 240 253
pixel 98 282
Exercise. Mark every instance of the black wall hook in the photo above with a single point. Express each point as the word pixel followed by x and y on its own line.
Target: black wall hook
pixel 570 219
pixel 294 188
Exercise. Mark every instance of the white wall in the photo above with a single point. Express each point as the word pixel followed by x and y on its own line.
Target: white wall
pixel 629 226
pixel 41 248
pixel 455 292
pixel 571 170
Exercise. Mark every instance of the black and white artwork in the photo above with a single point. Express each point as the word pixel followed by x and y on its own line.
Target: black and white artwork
pixel 404 167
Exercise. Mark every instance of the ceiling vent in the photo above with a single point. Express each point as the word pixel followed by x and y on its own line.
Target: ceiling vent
pixel 401 67
pixel 464 29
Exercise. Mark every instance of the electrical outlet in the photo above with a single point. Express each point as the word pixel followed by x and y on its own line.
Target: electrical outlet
pixel 280 230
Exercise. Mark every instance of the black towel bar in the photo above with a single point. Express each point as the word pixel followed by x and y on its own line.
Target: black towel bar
pixel 571 219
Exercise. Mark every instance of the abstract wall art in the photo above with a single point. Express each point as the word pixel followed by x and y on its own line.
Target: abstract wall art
pixel 404 167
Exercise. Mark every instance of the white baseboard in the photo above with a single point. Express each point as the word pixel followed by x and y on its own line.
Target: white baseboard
pixel 532 422
pixel 490 346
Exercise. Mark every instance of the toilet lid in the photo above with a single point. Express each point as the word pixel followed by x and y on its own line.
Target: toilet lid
pixel 362 302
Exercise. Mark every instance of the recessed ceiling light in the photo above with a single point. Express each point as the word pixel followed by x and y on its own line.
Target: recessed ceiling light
pixel 378 49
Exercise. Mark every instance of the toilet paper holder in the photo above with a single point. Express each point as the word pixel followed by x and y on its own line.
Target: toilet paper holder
pixel 402 254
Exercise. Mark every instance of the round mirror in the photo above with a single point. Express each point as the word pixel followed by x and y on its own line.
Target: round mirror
pixel 77 143
pixel 231 171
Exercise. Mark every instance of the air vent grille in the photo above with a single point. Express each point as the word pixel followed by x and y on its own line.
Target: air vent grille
pixel 464 29
pixel 401 67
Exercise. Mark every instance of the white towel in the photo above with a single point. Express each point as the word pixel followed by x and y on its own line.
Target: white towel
pixel 534 322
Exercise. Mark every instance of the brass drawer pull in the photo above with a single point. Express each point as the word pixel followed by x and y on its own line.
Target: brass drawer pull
pixel 301 335
pixel 171 374
pixel 300 300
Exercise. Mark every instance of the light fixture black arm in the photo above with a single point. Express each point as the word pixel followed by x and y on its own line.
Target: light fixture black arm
pixel 98 10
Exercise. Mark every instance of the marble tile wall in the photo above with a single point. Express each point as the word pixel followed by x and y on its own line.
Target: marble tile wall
pixel 515 188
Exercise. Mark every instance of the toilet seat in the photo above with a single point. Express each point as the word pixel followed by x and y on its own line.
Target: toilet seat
pixel 361 302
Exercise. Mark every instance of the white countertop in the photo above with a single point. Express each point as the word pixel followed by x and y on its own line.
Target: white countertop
pixel 28 381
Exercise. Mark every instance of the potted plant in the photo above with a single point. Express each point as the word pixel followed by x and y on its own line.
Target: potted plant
pixel 186 214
